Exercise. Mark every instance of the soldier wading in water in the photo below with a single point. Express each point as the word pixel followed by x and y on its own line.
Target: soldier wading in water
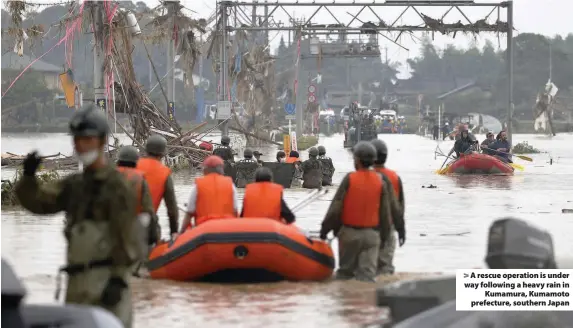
pixel 327 166
pixel 312 170
pixel 104 237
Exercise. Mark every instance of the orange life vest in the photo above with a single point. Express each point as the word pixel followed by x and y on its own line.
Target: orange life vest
pixel 156 175
pixel 136 177
pixel 214 198
pixel 263 200
pixel 393 177
pixel 292 159
pixel 362 200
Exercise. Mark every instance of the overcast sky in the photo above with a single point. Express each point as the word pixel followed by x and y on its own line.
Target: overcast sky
pixel 549 17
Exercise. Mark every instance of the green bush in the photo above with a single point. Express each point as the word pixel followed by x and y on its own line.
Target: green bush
pixel 524 148
pixel 305 142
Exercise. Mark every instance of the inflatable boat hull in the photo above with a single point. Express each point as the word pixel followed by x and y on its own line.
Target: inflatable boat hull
pixel 479 164
pixel 242 250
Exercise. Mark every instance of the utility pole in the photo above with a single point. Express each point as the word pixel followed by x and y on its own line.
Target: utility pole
pixel 224 62
pixel 299 101
pixel 170 106
pixel 254 15
pixel 99 80
pixel 509 69
pixel 266 24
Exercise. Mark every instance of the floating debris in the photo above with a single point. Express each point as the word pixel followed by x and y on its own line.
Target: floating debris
pixel 525 148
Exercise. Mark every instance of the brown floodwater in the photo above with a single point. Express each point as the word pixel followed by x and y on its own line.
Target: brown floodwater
pixel 446 230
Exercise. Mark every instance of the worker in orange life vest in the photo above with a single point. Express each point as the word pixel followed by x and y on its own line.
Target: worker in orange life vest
pixel 127 158
pixel 264 199
pixel 297 176
pixel 213 196
pixel 158 177
pixel 358 215
pixel 293 157
pixel 388 248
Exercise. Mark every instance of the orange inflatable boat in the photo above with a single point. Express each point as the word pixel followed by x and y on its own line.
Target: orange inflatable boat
pixel 242 250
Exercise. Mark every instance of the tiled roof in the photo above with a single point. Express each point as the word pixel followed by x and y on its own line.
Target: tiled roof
pixel 12 61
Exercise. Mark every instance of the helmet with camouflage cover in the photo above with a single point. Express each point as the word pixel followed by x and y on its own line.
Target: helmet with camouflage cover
pixel 89 121
pixel 156 145
pixel 128 154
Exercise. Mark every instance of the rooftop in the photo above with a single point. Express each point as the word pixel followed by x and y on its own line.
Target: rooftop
pixel 11 61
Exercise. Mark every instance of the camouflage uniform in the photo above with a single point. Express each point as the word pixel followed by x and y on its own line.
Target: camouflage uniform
pixel 104 236
pixel 312 171
pixel 246 169
pixel 327 166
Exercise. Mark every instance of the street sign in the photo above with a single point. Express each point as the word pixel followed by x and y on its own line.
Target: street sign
pixel 290 109
pixel 311 88
pixel 101 103
pixel 311 98
pixel 223 110
pixel 290 117
pixel 171 110
pixel 286 144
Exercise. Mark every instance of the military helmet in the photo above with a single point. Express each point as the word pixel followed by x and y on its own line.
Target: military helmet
pixel 365 152
pixel 128 154
pixel 156 145
pixel 380 146
pixel 225 140
pixel 263 174
pixel 321 150
pixel 89 121
pixel 313 151
pixel 248 153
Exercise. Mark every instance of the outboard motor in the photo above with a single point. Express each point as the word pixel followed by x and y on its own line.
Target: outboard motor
pixel 515 244
pixel 18 315
pixel 512 244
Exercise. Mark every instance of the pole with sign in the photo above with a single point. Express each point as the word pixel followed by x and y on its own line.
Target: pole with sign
pixel 293 141
pixel 286 144
pixel 290 114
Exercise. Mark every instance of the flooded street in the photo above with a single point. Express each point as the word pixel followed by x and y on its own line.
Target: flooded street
pixel 446 230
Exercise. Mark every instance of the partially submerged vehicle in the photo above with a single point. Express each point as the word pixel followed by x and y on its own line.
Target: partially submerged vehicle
pixel 430 302
pixel 16 314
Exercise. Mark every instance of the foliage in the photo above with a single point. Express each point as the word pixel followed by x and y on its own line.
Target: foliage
pixel 524 148
pixel 452 67
pixel 305 142
pixel 9 194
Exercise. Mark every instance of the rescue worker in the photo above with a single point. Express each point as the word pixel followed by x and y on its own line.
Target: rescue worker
pixel 264 199
pixel 213 196
pixel 297 170
pixel 502 148
pixel 159 180
pixel 489 139
pixel 293 157
pixel 246 169
pixel 312 170
pixel 101 227
pixel 327 166
pixel 127 158
pixel 445 130
pixel 464 144
pixel 257 155
pixel 224 150
pixel 388 248
pixel 359 216
pixel 281 156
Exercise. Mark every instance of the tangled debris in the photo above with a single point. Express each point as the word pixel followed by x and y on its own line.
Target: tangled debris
pixel 525 148
pixel 8 193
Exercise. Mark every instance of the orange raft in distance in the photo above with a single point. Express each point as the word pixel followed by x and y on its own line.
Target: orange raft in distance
pixel 242 250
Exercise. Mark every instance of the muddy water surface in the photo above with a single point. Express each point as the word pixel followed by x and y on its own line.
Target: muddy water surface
pixel 446 226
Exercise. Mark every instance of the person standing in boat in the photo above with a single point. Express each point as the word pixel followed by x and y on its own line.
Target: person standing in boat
pixel 360 217
pixel 297 174
pixel 312 170
pixel 281 156
pixel 327 166
pixel 101 227
pixel 159 180
pixel 502 148
pixel 257 156
pixel 397 206
pixel 213 196
pixel 264 199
